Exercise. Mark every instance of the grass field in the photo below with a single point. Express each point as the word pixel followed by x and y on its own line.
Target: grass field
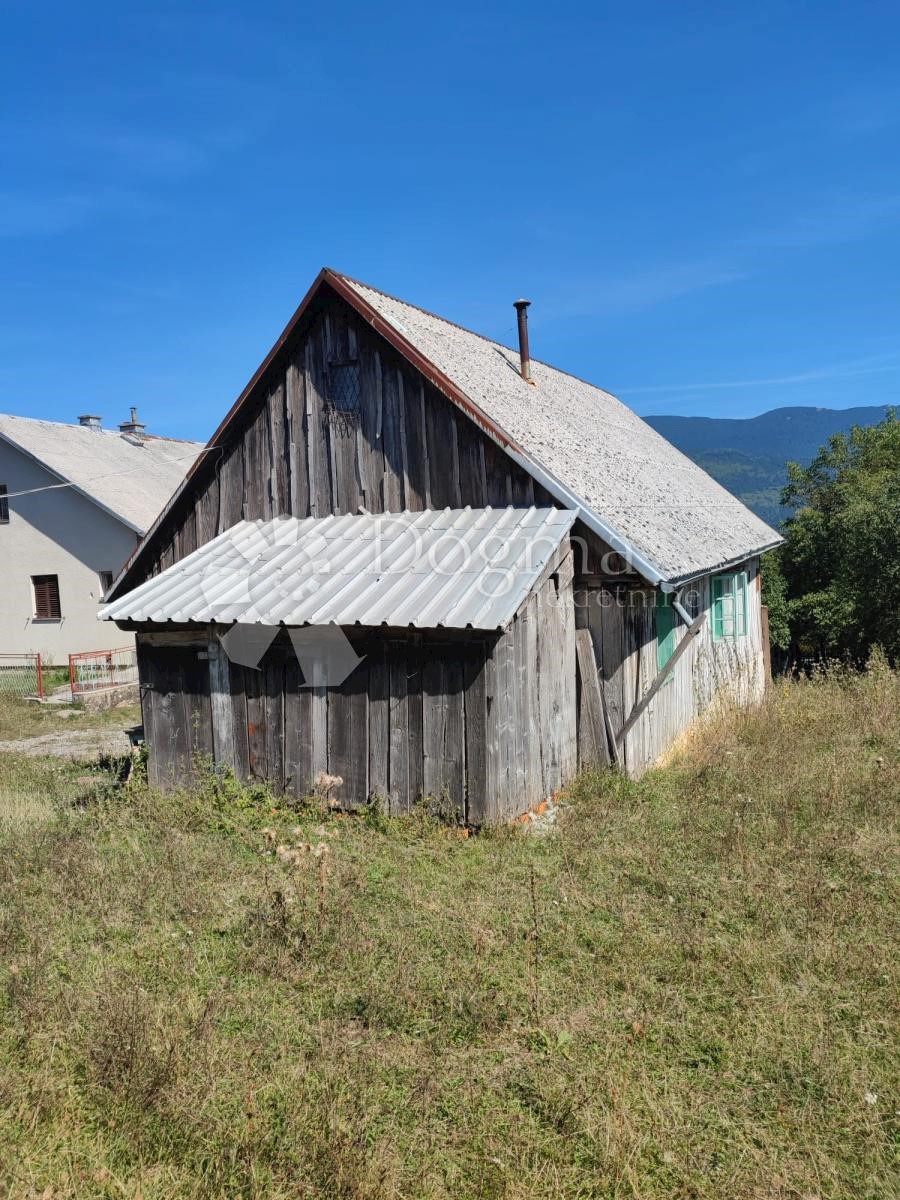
pixel 688 989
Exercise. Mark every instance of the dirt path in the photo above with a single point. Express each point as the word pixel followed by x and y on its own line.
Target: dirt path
pixel 80 745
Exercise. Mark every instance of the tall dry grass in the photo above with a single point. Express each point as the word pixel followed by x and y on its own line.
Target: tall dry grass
pixel 688 990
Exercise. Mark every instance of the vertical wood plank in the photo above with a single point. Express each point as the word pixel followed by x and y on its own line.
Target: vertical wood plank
pixel 221 708
pixel 348 739
pixel 255 692
pixel 530 714
pixel 593 749
pixel 273 673
pixel 231 486
pixel 197 709
pixel 379 722
pixel 279 449
pixel 417 492
pixel 414 716
pixel 237 676
pixel 399 731
pixel 393 452
pixel 453 766
pixel 298 773
pixel 434 715
pixel 475 716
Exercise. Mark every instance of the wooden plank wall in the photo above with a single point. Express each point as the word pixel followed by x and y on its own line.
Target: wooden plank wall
pixel 413 719
pixel 484 724
pixel 410 448
pixel 534 699
pixel 622 622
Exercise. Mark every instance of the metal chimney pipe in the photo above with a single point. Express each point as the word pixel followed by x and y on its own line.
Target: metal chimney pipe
pixel 134 427
pixel 521 307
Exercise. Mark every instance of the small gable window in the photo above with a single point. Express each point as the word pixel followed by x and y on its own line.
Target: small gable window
pixel 665 629
pixel 343 386
pixel 46 598
pixel 4 505
pixel 729 606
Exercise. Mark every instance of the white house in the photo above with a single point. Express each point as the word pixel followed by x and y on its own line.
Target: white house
pixel 75 501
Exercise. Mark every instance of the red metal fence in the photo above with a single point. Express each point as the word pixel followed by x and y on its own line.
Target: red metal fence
pixel 98 669
pixel 21 675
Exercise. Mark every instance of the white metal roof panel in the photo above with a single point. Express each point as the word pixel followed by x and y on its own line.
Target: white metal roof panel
pixel 455 569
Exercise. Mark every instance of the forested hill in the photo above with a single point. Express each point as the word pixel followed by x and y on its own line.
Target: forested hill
pixel 749 455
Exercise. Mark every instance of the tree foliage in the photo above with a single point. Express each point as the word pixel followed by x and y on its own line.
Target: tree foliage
pixel 836 581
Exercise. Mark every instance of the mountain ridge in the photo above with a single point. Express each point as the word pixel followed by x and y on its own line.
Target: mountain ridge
pixel 749 455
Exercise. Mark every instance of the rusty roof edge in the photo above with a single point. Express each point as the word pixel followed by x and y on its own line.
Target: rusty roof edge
pixel 420 361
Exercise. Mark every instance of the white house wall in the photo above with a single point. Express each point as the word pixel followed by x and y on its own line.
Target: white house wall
pixel 60 533
pixel 709 674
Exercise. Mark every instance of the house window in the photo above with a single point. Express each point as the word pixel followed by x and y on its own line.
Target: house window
pixel 665 629
pixel 343 386
pixel 106 582
pixel 729 606
pixel 4 505
pixel 46 598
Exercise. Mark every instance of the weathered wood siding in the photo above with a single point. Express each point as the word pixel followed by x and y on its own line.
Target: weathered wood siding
pixel 482 723
pixel 530 683
pixel 410 447
pixel 622 622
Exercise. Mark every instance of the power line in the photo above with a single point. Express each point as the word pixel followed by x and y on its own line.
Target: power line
pixel 52 487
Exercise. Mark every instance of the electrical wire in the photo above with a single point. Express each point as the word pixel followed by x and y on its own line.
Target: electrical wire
pixel 52 487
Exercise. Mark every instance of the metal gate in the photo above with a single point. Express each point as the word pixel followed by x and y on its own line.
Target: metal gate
pixel 95 670
pixel 21 675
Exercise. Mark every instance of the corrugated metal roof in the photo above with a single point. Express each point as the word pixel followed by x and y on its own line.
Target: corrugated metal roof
pixel 675 518
pixel 456 569
pixel 130 480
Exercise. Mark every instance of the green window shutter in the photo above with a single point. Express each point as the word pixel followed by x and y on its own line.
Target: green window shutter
pixel 730 611
pixel 718 615
pixel 665 629
pixel 740 605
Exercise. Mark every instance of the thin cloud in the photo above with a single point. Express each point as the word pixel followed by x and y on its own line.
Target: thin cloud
pixel 841 218
pixel 849 370
pixel 25 213
pixel 642 288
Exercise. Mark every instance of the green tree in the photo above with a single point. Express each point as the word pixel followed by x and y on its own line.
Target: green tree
pixel 841 558
pixel 774 596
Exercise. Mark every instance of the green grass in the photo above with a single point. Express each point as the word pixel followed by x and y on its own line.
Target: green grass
pixel 21 719
pixel 687 990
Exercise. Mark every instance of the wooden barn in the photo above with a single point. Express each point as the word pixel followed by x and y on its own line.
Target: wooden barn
pixel 419 561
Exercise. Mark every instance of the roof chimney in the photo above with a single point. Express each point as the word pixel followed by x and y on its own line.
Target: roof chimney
pixel 89 421
pixel 134 426
pixel 521 307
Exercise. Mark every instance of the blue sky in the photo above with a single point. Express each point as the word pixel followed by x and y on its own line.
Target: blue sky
pixel 702 201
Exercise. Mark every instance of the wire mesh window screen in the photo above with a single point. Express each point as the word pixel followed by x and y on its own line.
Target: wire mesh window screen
pixel 343 399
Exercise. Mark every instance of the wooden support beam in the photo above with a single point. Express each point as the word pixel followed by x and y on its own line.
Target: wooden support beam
pixel 592 743
pixel 690 633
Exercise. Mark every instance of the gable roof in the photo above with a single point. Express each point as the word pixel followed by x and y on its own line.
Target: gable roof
pixel 647 500
pixel 130 480
pixel 467 568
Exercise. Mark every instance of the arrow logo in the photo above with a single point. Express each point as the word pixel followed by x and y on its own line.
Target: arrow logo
pixel 325 655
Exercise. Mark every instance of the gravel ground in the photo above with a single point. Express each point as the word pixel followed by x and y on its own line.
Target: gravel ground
pixel 80 745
